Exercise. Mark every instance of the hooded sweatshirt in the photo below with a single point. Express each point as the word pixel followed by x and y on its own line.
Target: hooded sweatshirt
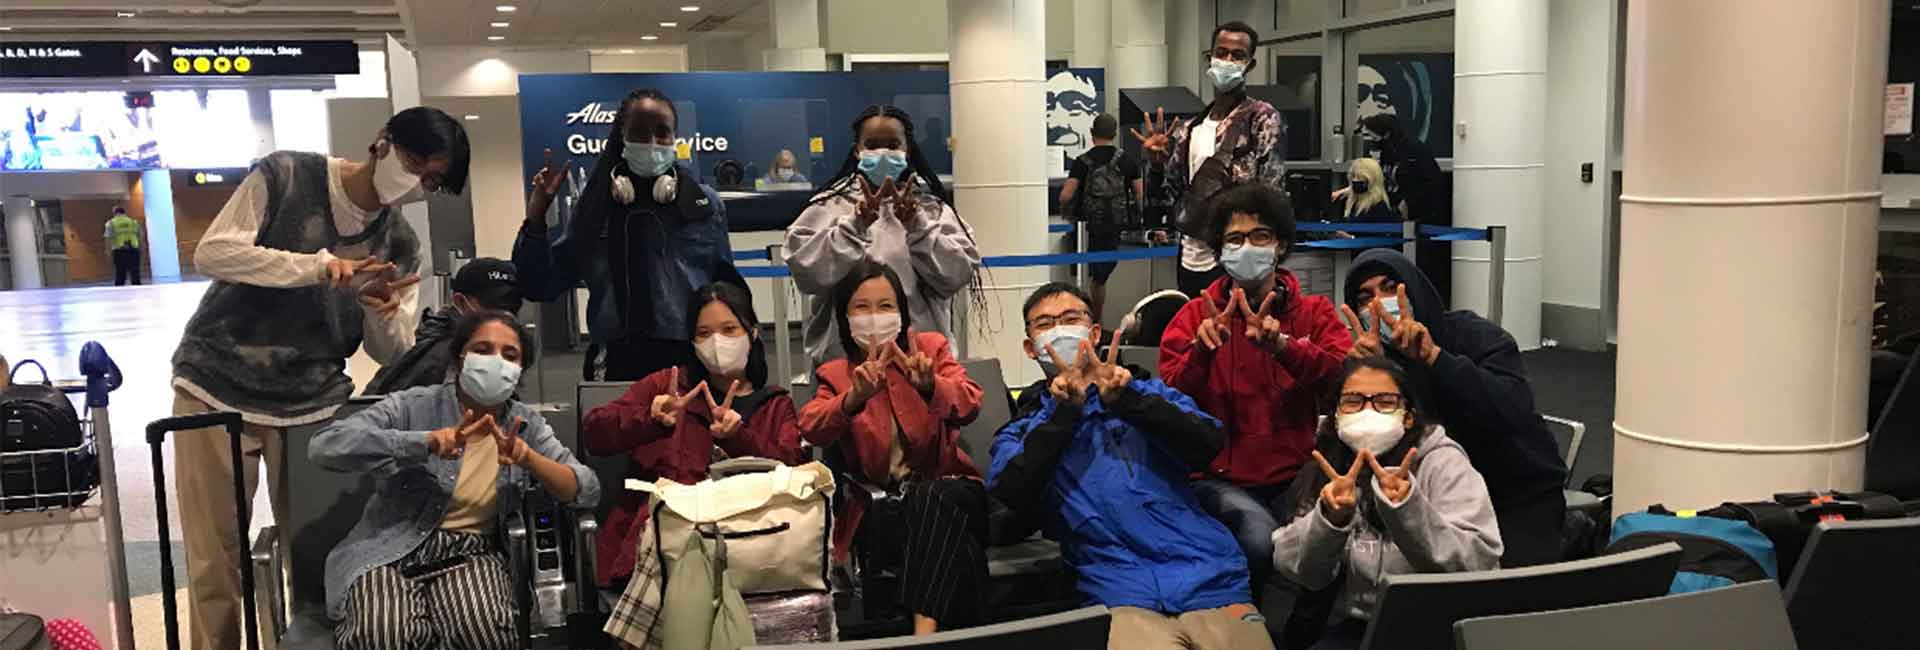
pixel 1479 390
pixel 1445 525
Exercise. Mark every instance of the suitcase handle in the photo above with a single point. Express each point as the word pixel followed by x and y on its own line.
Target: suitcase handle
pixel 157 430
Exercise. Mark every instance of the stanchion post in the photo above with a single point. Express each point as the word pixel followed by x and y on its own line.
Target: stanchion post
pixel 1080 246
pixel 1410 231
pixel 783 357
pixel 1496 273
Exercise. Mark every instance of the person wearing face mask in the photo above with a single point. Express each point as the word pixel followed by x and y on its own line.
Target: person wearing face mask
pixel 1260 369
pixel 1390 494
pixel 1365 196
pixel 423 567
pixel 892 411
pixel 309 259
pixel 1473 370
pixel 885 204
pixel 645 234
pixel 1245 135
pixel 1092 444
pixel 671 423
pixel 482 283
pixel 784 169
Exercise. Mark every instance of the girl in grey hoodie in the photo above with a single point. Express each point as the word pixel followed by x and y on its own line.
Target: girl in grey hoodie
pixel 1392 494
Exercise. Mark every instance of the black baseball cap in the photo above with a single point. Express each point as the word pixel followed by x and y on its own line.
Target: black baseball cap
pixel 491 281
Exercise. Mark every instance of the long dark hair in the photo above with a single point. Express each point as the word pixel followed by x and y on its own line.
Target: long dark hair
pixel 845 183
pixel 740 302
pixel 862 271
pixel 1306 487
pixel 468 324
pixel 596 199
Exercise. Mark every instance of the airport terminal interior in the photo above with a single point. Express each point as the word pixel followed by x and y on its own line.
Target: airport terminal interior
pixel 1203 324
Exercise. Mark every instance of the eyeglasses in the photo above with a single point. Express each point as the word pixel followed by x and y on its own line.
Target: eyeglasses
pixel 1388 403
pixel 1074 317
pixel 1259 237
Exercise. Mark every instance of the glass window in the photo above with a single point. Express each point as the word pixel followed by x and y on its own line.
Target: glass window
pixel 1405 70
pixel 1298 15
pixel 1296 92
pixel 1363 7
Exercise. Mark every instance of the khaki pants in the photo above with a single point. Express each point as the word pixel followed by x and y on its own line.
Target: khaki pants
pixel 1234 627
pixel 203 474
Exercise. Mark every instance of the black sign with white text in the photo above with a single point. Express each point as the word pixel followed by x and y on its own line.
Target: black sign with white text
pixel 177 59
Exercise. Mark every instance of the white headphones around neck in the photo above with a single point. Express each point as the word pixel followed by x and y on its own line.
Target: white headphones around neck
pixel 666 187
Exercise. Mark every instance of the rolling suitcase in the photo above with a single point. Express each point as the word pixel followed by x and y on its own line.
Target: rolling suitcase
pixel 156 434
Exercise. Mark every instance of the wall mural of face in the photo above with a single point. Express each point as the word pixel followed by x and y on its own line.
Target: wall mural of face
pixel 1374 96
pixel 1072 103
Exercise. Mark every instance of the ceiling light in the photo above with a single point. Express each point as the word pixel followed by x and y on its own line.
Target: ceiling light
pixel 649 37
pixel 471 117
pixel 4 28
pixel 499 24
pixel 505 9
pixel 126 14
pixel 669 24
pixel 626 51
pixel 689 8
pixel 496 38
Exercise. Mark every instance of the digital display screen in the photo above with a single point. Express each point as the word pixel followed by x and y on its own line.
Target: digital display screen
pixel 70 131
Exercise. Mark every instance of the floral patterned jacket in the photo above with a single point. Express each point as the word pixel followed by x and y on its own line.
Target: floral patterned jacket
pixel 1259 150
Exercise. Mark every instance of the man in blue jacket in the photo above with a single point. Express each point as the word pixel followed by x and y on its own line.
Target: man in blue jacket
pixel 1101 461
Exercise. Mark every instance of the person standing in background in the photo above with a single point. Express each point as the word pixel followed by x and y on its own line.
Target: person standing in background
pixel 483 284
pixel 306 260
pixel 123 239
pixel 1243 133
pixel 1114 193
pixel 1417 188
pixel 1365 196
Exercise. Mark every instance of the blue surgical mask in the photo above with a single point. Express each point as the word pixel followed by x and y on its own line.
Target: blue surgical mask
pixel 1064 340
pixel 487 378
pixel 1227 75
pixel 647 159
pixel 1389 304
pixel 1248 264
pixel 882 164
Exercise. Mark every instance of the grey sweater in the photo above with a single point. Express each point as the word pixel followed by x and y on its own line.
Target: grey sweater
pixel 935 260
pixel 1446 524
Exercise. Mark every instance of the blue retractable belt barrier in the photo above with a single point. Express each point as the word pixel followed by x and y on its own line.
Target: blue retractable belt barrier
pixel 1367 227
pixel 1351 244
pixel 748 256
pixel 1448 233
pixel 1059 227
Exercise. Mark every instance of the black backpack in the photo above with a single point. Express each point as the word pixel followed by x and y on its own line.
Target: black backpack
pixel 39 418
pixel 1107 199
pixel 36 416
pixel 1788 520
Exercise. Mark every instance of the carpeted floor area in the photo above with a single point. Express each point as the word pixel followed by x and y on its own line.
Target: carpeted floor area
pixel 1578 386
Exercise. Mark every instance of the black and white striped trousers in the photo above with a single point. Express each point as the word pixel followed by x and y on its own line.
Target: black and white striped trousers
pixel 937 537
pixel 468 607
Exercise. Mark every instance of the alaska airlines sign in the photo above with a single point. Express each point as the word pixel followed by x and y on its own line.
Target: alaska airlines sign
pixel 595 113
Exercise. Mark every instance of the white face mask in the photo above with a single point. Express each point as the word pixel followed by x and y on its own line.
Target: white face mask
pixel 393 183
pixel 1370 430
pixel 874 330
pixel 724 355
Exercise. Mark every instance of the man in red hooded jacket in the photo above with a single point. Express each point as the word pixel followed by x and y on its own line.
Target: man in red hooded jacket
pixel 1257 354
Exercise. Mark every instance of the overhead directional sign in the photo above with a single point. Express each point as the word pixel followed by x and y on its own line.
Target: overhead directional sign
pixel 178 58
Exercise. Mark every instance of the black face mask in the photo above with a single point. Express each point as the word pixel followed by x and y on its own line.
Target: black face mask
pixel 1360 187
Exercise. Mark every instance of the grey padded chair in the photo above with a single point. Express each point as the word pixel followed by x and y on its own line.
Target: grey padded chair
pixel 1849 588
pixel 1748 616
pixel 1080 629
pixel 1034 555
pixel 1419 610
pixel 1567 435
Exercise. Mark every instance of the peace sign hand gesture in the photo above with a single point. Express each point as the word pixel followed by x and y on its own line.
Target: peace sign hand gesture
pixel 1366 340
pixel 511 449
pixel 1341 495
pixel 546 183
pixel 726 421
pixel 1070 384
pixel 1410 335
pixel 918 368
pixel 668 407
pixel 867 210
pixel 1156 139
pixel 1396 483
pixel 448 442
pixel 1263 329
pixel 1212 330
pixel 1104 373
pixel 868 379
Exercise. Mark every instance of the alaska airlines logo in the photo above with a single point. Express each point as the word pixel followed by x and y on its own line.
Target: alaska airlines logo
pixel 596 113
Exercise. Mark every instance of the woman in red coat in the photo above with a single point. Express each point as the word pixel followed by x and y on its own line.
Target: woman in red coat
pixel 671 425
pixel 892 411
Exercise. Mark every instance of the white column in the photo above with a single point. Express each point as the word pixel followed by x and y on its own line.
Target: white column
pixel 1500 153
pixel 1139 34
pixel 998 86
pixel 1747 248
pixel 795 28
pixel 163 241
pixel 1093 40
pixel 23 243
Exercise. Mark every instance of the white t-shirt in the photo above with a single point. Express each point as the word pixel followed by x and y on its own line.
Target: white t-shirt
pixel 1196 255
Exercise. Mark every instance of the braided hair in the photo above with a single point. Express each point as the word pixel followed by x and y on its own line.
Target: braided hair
pixel 846 184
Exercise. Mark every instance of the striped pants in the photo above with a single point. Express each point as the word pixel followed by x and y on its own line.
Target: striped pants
pixel 937 538
pixel 467 608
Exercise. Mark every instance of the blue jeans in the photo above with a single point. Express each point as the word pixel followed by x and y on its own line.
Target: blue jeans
pixel 1248 513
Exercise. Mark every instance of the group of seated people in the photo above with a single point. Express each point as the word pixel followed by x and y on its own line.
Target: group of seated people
pixel 1287 458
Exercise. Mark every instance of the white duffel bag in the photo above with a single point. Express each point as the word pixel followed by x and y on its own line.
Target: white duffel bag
pixel 776 521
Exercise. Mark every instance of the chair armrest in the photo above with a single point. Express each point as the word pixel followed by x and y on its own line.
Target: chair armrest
pixel 519 550
pixel 586 538
pixel 269 577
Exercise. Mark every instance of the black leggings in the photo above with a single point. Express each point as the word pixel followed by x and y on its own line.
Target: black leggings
pixel 936 533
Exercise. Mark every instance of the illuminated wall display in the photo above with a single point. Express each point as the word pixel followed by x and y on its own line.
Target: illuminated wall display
pixel 179 58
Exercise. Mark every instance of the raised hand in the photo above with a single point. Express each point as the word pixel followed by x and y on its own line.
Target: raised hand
pixel 1107 374
pixel 918 368
pixel 1366 340
pixel 546 183
pixel 1212 330
pixel 1409 334
pixel 906 204
pixel 867 210
pixel 1262 328
pixel 725 421
pixel 1156 139
pixel 1341 495
pixel 510 448
pixel 1069 385
pixel 450 441
pixel 383 296
pixel 667 408
pixel 344 272
pixel 1395 483
pixel 868 379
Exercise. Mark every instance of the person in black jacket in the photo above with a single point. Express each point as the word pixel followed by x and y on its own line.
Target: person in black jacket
pixel 1474 373
pixel 483 284
pixel 1416 188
